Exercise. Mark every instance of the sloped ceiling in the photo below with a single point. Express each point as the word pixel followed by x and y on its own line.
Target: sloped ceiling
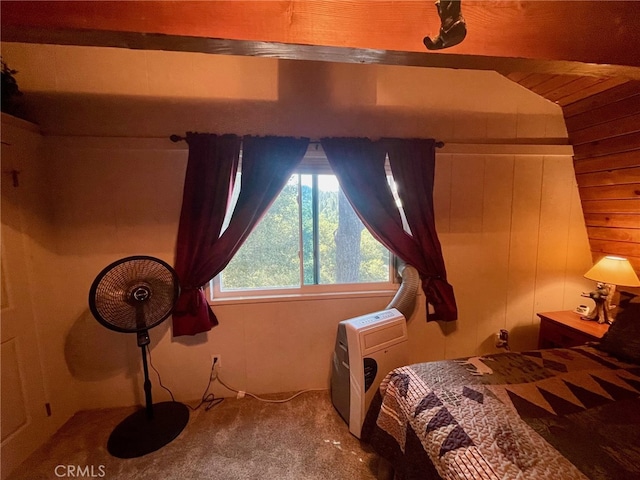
pixel 602 116
pixel 101 91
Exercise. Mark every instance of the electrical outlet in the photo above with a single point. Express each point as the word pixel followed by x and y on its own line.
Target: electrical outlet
pixel 216 360
pixel 502 339
pixel 504 335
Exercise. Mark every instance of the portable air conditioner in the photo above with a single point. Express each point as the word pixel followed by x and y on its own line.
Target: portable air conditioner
pixel 367 348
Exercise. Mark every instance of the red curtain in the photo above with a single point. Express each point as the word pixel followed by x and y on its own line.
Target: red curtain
pixel 359 165
pixel 202 249
pixel 413 166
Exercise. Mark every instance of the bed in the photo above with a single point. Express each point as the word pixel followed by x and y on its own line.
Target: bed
pixel 569 413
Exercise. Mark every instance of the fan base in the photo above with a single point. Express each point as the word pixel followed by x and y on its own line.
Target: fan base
pixel 138 435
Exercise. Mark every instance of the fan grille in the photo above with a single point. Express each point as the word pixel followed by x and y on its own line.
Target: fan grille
pixel 134 294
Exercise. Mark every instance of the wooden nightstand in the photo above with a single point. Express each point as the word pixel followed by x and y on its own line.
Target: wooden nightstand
pixel 566 329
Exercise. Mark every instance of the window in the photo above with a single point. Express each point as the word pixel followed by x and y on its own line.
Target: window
pixel 310 241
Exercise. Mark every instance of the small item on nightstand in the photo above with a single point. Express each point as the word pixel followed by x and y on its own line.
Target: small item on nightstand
pixel 582 310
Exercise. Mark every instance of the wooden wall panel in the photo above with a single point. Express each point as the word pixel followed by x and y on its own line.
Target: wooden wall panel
pixel 553 83
pixel 607 146
pixel 606 163
pixel 523 251
pixel 606 113
pixel 614 220
pixel 514 243
pixel 605 132
pixel 610 192
pixel 590 101
pixel 579 251
pixel 572 89
pixel 611 206
pixel 495 239
pixel 553 242
pixel 601 86
pixel 618 234
pixel 617 126
pixel 611 176
pixel 602 116
pixel 465 250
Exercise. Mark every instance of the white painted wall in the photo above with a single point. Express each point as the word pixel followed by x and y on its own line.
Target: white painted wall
pixel 93 91
pixel 511 225
pixel 511 228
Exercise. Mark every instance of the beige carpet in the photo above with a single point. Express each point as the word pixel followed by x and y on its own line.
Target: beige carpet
pixel 235 440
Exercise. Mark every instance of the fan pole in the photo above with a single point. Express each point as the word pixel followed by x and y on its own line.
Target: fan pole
pixel 147 383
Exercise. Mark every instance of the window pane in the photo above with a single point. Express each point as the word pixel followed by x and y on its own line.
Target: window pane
pixel 347 253
pixel 310 234
pixel 269 257
pixel 307 209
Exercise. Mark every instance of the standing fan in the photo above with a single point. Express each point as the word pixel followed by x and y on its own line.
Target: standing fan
pixel 133 295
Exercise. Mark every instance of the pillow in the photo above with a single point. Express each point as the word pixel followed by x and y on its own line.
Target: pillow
pixel 622 340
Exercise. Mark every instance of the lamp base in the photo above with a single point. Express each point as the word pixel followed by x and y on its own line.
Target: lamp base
pixel 138 435
pixel 602 296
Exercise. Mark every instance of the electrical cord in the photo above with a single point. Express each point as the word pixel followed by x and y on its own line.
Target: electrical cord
pixel 158 373
pixel 207 398
pixel 267 400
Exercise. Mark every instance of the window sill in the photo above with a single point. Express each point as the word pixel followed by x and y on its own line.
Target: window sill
pixel 302 297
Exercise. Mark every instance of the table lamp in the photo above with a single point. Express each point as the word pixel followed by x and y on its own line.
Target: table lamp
pixel 609 272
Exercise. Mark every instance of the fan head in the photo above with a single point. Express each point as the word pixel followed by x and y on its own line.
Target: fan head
pixel 134 294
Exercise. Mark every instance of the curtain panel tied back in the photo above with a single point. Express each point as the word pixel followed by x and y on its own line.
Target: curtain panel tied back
pixel 359 164
pixel 203 249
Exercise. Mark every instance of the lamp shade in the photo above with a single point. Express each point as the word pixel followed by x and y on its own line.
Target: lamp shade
pixel 615 271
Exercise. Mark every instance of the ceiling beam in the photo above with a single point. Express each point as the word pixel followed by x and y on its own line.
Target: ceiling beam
pixel 142 41
pixel 568 37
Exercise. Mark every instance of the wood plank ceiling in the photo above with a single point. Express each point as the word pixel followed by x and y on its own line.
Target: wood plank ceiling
pixel 596 81
pixel 602 116
pixel 551 36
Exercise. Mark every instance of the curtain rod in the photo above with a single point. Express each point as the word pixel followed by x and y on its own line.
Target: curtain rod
pixel 177 138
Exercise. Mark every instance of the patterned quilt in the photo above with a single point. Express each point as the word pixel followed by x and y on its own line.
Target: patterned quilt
pixel 556 414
